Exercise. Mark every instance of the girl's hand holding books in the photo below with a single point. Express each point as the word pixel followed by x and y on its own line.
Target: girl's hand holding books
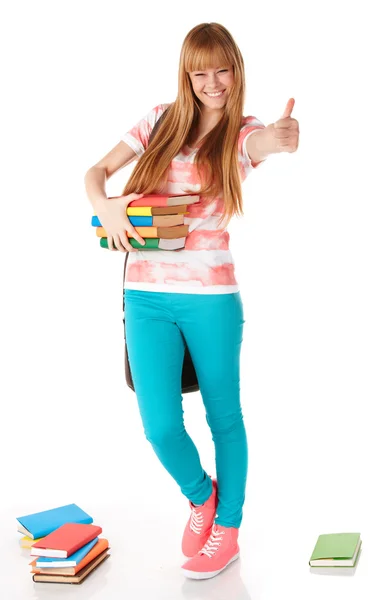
pixel 112 214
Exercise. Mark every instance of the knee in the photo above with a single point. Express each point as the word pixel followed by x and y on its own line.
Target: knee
pixel 229 427
pixel 164 435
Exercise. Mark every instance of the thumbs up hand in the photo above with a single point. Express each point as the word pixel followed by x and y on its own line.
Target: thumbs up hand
pixel 281 136
pixel 284 133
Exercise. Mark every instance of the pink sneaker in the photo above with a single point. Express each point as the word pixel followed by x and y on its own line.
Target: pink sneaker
pixel 220 550
pixel 199 525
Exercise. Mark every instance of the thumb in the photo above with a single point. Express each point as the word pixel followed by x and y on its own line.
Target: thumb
pixel 288 109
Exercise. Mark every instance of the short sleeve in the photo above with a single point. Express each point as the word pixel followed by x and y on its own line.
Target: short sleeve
pixel 249 125
pixel 137 137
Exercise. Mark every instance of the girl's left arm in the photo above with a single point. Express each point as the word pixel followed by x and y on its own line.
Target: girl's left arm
pixel 281 136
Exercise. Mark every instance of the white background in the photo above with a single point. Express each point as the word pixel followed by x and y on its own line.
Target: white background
pixel 309 260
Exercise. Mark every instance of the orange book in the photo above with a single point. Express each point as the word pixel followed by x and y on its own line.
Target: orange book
pixel 93 553
pixel 168 233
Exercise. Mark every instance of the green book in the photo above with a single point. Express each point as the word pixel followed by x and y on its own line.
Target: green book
pixel 150 243
pixel 336 550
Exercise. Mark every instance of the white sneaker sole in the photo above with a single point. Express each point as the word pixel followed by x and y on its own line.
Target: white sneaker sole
pixel 208 574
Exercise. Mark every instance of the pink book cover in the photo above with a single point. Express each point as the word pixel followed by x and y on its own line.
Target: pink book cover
pixel 164 200
pixel 65 540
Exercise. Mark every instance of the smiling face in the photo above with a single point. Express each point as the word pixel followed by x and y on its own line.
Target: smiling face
pixel 212 86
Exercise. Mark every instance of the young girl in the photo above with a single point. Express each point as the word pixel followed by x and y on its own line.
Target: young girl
pixel 190 297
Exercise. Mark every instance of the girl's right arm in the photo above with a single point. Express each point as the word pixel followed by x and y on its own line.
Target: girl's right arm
pixel 112 212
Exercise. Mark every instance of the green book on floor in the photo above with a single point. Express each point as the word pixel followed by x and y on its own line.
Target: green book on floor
pixel 336 550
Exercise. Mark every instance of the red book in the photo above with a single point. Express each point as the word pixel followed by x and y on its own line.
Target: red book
pixel 65 540
pixel 164 200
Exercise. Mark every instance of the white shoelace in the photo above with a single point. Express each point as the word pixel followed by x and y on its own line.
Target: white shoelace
pixel 197 520
pixel 213 543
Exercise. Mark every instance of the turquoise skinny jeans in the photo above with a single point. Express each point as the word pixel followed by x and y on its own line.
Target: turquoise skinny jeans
pixel 158 325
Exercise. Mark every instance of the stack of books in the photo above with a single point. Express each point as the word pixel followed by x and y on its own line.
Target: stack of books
pixel 336 550
pixel 64 544
pixel 158 219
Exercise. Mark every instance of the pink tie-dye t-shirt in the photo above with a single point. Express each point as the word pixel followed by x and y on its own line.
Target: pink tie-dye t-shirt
pixel 205 265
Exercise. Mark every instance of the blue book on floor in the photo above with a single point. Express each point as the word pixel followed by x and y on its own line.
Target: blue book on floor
pixel 44 562
pixel 141 221
pixel 40 524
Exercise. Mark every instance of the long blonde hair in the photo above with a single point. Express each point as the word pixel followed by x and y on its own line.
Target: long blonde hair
pixel 206 46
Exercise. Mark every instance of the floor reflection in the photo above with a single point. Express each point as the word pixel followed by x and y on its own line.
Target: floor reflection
pixel 228 585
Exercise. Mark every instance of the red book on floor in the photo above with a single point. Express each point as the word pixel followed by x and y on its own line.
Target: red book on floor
pixel 65 540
